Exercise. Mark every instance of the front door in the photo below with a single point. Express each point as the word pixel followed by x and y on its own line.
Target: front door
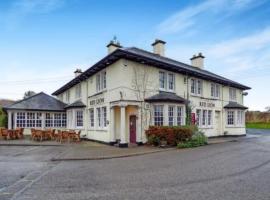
pixel 132 129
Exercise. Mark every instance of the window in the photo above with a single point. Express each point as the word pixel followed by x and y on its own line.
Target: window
pixel 232 94
pixel 230 117
pixel 30 119
pixel 102 117
pixel 215 90
pixel 38 119
pixel 162 80
pixel 179 118
pixel 240 117
pixel 166 81
pixel 209 118
pixel 92 118
pixel 171 81
pixel 170 115
pixel 158 115
pixel 49 120
pixel 196 86
pixel 20 121
pixel 79 118
pixel 68 96
pixel 104 114
pixel 78 91
pixel 204 118
pixel 64 120
pixel 57 119
pixel 101 81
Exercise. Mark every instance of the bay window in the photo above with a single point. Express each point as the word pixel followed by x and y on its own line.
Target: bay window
pixel 235 118
pixel 230 117
pixel 170 115
pixel 158 115
pixel 180 116
pixel 79 118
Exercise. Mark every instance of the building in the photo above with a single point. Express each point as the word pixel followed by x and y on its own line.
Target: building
pixel 116 99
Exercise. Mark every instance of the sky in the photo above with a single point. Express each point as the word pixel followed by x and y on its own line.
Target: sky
pixel 42 42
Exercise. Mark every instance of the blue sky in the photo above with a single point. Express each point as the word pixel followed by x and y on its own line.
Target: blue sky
pixel 43 41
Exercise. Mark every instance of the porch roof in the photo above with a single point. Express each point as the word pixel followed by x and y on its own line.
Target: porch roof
pixel 76 104
pixel 166 97
pixel 38 102
pixel 235 105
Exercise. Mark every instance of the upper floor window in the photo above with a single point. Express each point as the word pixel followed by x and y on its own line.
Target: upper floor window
pixel 166 81
pixel 232 94
pixel 196 86
pixel 101 81
pixel 78 91
pixel 215 90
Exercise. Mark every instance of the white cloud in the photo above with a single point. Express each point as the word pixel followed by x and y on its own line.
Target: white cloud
pixel 192 16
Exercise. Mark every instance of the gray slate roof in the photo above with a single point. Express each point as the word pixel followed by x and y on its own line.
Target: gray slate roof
pixel 166 97
pixel 235 105
pixel 142 56
pixel 38 102
pixel 76 104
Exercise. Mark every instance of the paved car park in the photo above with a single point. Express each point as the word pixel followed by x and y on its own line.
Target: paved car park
pixel 230 170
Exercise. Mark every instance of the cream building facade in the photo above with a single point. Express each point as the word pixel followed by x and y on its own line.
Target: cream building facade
pixel 130 89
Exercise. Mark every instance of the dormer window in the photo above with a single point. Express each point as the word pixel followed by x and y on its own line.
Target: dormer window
pixel 166 81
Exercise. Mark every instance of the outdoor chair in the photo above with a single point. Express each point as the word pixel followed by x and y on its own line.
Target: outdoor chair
pixel 4 133
pixel 77 137
pixel 19 133
pixel 64 136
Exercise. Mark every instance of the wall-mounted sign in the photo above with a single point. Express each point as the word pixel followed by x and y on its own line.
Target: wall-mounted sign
pixel 97 101
pixel 206 104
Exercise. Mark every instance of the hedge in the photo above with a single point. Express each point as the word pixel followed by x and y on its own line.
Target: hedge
pixel 170 135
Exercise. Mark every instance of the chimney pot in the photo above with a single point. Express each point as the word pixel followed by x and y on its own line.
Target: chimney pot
pixel 113 45
pixel 198 61
pixel 77 72
pixel 159 47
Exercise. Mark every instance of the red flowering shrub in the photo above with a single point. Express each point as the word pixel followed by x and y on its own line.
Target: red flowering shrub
pixel 171 135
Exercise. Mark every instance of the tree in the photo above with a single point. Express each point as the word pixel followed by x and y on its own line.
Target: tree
pixel 28 94
pixel 267 109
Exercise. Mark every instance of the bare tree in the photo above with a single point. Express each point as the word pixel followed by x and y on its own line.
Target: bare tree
pixel 267 109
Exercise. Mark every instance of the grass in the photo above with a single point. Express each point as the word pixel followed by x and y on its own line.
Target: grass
pixel 258 125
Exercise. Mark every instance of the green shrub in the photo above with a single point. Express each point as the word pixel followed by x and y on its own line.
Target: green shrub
pixel 3 118
pixel 198 139
pixel 171 135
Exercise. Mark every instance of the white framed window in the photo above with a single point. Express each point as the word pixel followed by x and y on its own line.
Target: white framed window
pixel 240 117
pixel 78 91
pixel 158 115
pixel 215 90
pixel 180 116
pixel 196 86
pixel 232 94
pixel 204 118
pixel 20 121
pixel 79 118
pixel 102 117
pixel 230 117
pixel 57 120
pixel 166 81
pixel 49 120
pixel 171 115
pixel 101 81
pixel 91 117
pixel 38 119
pixel 64 120
pixel 30 119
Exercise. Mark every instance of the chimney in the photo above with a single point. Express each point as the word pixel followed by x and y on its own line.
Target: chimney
pixel 77 72
pixel 113 45
pixel 159 47
pixel 198 61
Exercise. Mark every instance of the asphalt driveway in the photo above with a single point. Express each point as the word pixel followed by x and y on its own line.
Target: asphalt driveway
pixel 232 170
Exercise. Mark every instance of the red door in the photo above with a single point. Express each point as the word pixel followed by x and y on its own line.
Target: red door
pixel 132 129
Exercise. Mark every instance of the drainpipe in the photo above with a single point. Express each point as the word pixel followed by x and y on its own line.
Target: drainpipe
pixel 187 103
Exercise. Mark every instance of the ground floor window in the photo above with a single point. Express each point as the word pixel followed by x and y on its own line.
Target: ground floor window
pixel 102 117
pixel 235 117
pixel 158 115
pixel 79 118
pixel 91 117
pixel 20 121
pixel 28 119
pixel 55 120
pixel 204 118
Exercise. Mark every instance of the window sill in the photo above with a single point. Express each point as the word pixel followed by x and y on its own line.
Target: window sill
pixel 195 95
pixel 235 126
pixel 206 127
